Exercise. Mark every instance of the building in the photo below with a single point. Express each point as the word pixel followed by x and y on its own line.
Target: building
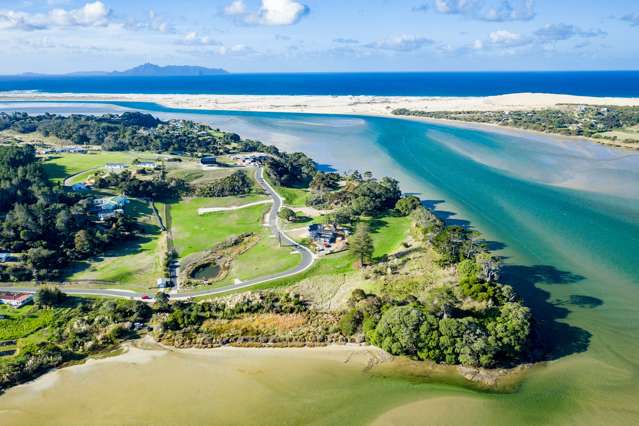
pixel 108 207
pixel 63 150
pixel 114 167
pixel 146 164
pixel 163 283
pixel 16 300
pixel 208 160
pixel 79 187
pixel 328 238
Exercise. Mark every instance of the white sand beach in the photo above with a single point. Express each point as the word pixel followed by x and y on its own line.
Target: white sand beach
pixel 361 105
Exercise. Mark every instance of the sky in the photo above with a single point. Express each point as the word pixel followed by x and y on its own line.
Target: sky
pixel 58 36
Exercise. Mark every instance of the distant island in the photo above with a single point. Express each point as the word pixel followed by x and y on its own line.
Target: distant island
pixel 147 70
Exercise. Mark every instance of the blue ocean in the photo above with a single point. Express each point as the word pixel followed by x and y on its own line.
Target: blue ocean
pixel 584 83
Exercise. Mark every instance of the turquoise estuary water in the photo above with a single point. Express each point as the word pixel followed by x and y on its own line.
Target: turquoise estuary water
pixel 563 213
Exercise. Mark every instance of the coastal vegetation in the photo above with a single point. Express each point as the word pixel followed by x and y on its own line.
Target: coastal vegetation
pixel 405 281
pixel 45 225
pixel 613 123
pixel 65 330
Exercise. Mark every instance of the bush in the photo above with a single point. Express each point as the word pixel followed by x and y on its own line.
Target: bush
pixel 406 205
pixel 49 296
pixel 398 330
pixel 350 322
pixel 287 214
pixel 236 184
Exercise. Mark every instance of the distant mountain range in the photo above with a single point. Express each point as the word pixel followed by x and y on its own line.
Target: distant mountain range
pixel 148 70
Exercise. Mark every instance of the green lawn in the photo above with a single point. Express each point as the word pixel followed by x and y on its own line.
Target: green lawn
pixel 293 197
pixel 63 165
pixel 134 265
pixel 193 233
pixel 81 177
pixel 192 172
pixel 388 233
pixel 334 264
pixel 265 258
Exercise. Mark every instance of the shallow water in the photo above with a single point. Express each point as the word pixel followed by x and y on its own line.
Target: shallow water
pixel 564 213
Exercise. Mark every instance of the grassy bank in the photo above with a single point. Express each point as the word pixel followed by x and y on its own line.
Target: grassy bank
pixel 193 233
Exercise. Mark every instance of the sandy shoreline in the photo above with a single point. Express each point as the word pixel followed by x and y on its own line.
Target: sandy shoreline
pixel 353 105
pixel 358 105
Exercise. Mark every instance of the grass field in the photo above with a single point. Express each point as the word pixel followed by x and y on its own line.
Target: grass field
pixel 293 197
pixel 388 233
pixel 62 166
pixel 193 233
pixel 626 134
pixel 191 171
pixel 134 265
pixel 33 138
pixel 265 258
pixel 334 264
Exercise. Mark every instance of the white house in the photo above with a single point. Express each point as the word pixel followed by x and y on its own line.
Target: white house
pixel 113 167
pixel 163 283
pixel 146 164
pixel 15 299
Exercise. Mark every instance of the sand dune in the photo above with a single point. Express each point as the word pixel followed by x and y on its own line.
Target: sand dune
pixel 366 105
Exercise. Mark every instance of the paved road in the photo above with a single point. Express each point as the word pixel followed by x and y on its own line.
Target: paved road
pixel 272 220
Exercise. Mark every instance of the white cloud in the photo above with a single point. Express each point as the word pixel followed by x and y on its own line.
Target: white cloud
pixel 506 38
pixel 271 12
pixel 557 32
pixel 235 8
pixel 281 12
pixel 194 39
pixel 402 43
pixel 90 15
pixel 487 10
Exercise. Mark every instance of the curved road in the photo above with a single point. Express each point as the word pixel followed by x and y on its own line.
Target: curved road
pixel 272 221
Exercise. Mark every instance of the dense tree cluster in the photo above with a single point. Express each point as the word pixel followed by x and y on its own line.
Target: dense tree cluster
pixel 238 183
pixel 294 170
pixel 323 182
pixel 496 337
pixel 360 196
pixel 49 296
pixel 45 224
pixel 157 188
pixel 574 120
pixel 131 131
pixel 406 205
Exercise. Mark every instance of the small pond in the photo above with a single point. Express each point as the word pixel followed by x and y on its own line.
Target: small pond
pixel 206 271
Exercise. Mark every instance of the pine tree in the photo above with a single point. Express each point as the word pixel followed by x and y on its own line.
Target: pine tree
pixel 362 244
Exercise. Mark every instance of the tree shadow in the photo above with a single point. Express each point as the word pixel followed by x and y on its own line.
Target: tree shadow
pixel 445 215
pixel 582 301
pixel 552 339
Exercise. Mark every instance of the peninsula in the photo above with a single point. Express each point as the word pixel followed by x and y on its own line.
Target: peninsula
pixel 167 216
